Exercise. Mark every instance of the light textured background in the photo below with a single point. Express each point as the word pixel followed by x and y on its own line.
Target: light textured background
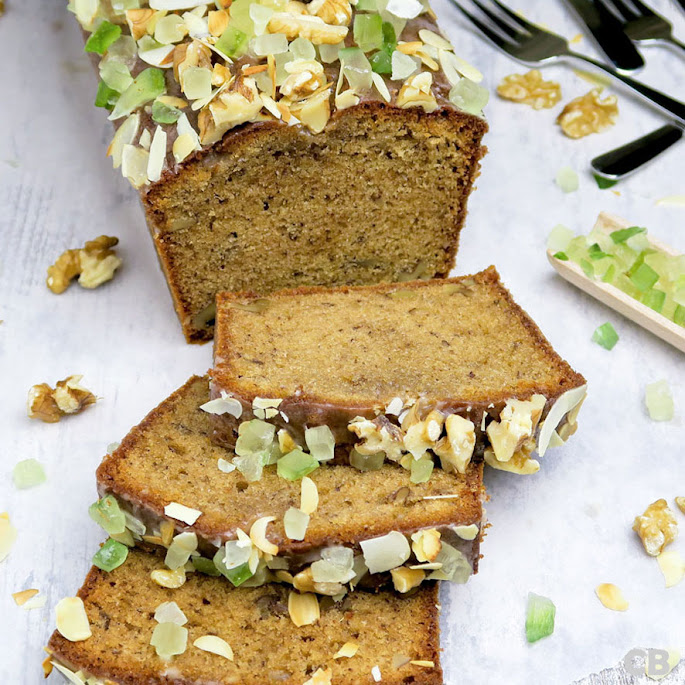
pixel 559 533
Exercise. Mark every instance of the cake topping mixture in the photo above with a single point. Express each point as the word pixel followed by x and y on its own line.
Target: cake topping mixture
pixel 251 559
pixel 176 75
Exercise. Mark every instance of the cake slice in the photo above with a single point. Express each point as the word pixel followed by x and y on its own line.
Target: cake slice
pixel 447 368
pixel 168 485
pixel 277 144
pixel 396 637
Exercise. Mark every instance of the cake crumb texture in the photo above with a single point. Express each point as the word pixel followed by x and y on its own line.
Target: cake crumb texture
pixel 268 648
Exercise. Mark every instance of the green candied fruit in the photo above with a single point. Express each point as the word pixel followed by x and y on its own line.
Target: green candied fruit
pixel 609 274
pixel 644 277
pixel 368 31
pixel 28 473
pixel 147 86
pixel 455 566
pixel 588 268
pixel 206 566
pixel 604 183
pixel 296 465
pixel 559 238
pixel 469 96
pixel 561 256
pixel 539 617
pixel 679 315
pixel 164 114
pixel 320 442
pixel 105 34
pixel 237 575
pixel 107 514
pixel 654 299
pixel 595 252
pixel 421 470
pixel 605 336
pixel 111 555
pixel 623 234
pixel 106 97
pixel 381 62
pixel 622 282
pixel 255 437
pixel 577 249
pixel 367 462
pixel 233 42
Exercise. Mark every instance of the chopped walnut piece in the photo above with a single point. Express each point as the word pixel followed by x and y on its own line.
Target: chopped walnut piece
pixel 657 527
pixel 588 114
pixel 304 78
pixel 456 448
pixel 94 264
pixel 336 12
pixel 416 92
pixel 516 427
pixel 68 397
pixel 194 54
pixel 314 29
pixel 424 435
pixel 530 89
pixel 377 436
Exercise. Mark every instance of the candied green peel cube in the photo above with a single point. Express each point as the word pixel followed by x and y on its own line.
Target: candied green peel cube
pixel 540 616
pixel 110 556
pixel 626 259
pixel 28 473
pixel 107 514
pixel 605 336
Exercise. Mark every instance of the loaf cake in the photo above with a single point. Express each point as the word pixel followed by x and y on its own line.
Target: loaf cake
pixel 277 143
pixel 449 369
pixel 396 637
pixel 168 460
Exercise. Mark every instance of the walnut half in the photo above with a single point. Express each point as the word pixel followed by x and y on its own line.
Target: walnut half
pixel 94 264
pixel 531 89
pixel 588 114
pixel 657 527
pixel 68 397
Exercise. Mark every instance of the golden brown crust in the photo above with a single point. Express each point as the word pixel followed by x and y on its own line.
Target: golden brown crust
pixel 120 606
pixel 195 170
pixel 169 457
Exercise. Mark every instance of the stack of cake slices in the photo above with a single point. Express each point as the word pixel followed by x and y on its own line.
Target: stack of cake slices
pixel 288 520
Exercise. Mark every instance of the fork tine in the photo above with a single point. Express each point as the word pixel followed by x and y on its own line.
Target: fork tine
pixel 626 10
pixel 484 28
pixel 517 19
pixel 646 11
pixel 504 26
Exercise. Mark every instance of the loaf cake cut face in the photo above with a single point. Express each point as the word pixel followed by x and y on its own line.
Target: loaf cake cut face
pixel 278 144
pixel 169 460
pixel 430 370
pixel 390 633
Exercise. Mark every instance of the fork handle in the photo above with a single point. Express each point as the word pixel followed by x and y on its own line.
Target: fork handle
pixel 674 108
pixel 623 161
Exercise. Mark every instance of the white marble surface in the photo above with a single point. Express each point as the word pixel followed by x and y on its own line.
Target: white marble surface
pixel 559 533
